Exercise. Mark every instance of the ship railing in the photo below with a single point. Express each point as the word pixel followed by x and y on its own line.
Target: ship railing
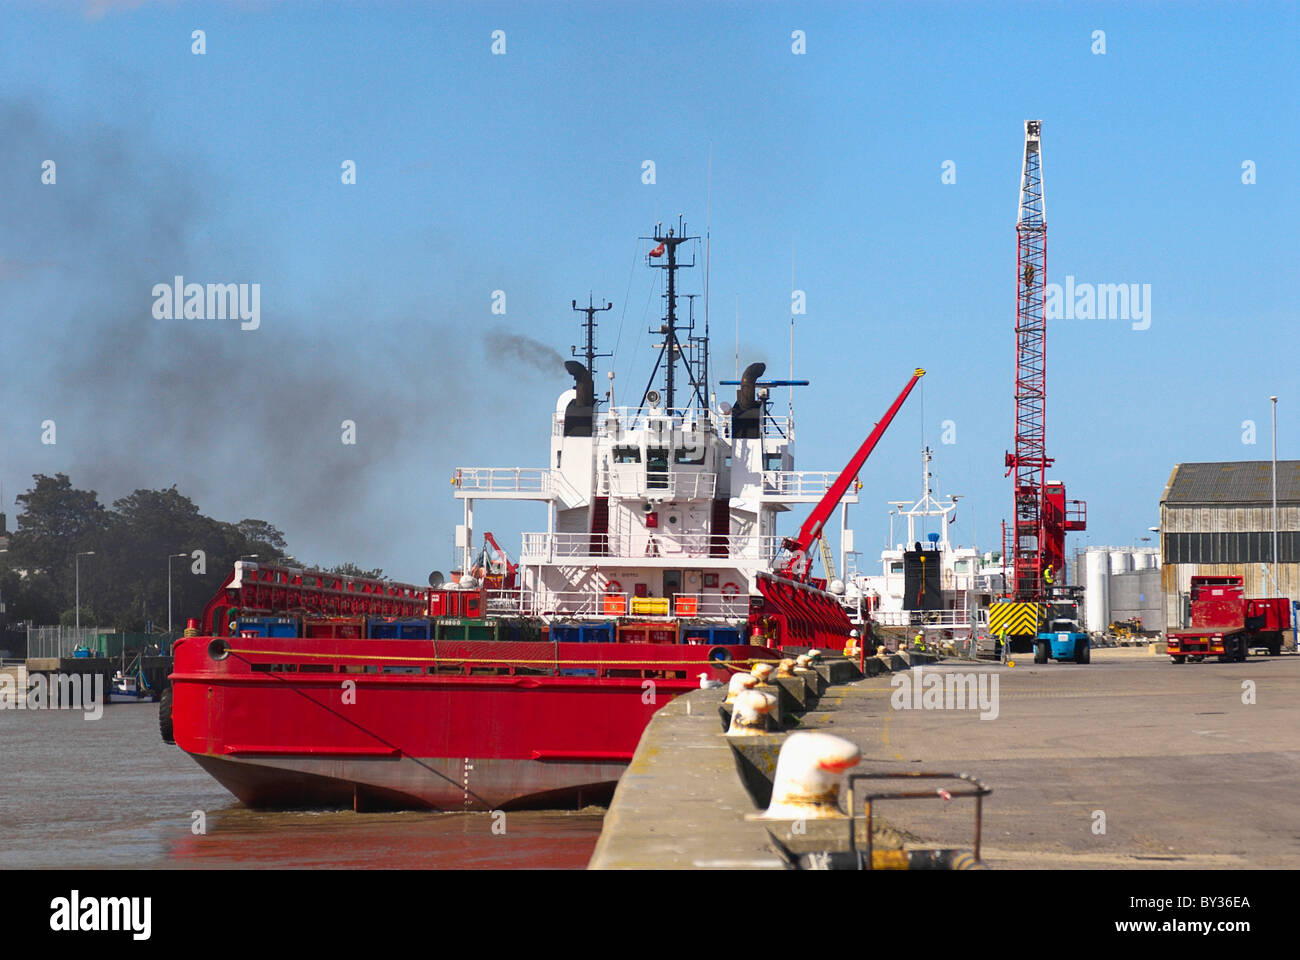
pixel 527 480
pixel 773 427
pixel 548 547
pixel 620 421
pixel 797 483
pixel 669 484
pixel 547 603
pixel 588 604
pixel 923 618
pixel 710 606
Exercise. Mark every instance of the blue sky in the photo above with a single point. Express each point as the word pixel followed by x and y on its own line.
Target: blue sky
pixel 522 172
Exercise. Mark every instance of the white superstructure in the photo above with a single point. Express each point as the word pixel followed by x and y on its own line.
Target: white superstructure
pixel 649 512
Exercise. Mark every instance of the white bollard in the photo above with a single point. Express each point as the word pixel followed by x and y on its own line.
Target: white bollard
pixel 809 772
pixel 749 716
pixel 739 682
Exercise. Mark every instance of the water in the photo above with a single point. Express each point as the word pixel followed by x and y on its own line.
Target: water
pixel 109 793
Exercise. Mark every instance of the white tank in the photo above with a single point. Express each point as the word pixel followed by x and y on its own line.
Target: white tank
pixel 1143 560
pixel 1096 571
pixel 1121 561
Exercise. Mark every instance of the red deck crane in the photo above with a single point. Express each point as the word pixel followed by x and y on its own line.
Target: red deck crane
pixel 1041 515
pixel 799 562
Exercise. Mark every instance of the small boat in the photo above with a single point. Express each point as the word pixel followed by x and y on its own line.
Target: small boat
pixel 124 689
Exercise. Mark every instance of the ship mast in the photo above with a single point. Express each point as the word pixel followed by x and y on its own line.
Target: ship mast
pixel 928 505
pixel 589 325
pixel 665 252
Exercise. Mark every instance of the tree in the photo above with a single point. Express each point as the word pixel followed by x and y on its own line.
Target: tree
pixel 56 522
pixel 262 533
pixel 137 547
pixel 352 570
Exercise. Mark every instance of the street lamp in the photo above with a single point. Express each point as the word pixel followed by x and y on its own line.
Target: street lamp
pixel 170 558
pixel 1274 401
pixel 76 563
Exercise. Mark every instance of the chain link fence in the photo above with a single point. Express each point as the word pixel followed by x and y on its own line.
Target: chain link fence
pixel 59 641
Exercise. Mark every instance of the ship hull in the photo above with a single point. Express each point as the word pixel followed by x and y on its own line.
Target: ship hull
pixel 373 724
pixel 413 783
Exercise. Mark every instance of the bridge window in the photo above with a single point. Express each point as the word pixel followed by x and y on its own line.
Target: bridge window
pixel 656 467
pixel 690 455
pixel 771 461
pixel 627 455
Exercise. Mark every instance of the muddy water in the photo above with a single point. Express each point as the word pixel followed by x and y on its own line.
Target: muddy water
pixel 109 793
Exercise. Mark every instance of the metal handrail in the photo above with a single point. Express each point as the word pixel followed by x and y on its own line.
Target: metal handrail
pixel 978 791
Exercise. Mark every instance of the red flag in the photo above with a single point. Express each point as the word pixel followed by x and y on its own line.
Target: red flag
pixel 657 251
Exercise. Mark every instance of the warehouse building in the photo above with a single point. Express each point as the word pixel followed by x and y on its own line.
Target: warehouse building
pixel 1217 518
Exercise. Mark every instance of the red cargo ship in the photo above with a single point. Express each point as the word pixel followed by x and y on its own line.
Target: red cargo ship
pixel 530 684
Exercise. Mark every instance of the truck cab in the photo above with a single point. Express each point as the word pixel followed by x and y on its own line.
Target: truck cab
pixel 1062 640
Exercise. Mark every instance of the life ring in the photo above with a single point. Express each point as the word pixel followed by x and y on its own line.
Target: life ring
pixel 730 588
pixel 613 587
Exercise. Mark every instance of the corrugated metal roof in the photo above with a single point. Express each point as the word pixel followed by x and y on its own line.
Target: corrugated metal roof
pixel 1243 481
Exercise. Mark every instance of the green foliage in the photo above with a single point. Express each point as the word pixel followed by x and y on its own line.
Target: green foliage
pixel 352 570
pixel 135 544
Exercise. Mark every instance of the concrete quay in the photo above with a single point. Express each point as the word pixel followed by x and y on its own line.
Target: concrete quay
pixel 1130 762
pixel 689 795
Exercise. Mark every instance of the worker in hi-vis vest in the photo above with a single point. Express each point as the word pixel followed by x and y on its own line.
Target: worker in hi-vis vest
pixel 1047 574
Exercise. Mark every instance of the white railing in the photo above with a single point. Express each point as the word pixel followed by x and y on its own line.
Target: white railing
pixel 772 427
pixel 671 484
pixel 588 604
pixel 797 483
pixel 525 480
pixel 923 618
pixel 711 606
pixel 620 421
pixel 547 547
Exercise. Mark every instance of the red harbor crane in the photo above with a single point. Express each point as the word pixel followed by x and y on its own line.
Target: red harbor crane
pixel 1042 515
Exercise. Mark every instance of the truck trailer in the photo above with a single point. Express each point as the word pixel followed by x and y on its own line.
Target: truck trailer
pixel 1225 623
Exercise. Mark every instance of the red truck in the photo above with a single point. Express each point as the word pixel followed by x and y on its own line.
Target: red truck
pixel 1226 624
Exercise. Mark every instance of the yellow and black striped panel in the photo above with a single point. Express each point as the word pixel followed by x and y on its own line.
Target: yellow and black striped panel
pixel 1015 619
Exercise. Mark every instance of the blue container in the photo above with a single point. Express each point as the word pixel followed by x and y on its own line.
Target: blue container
pixel 713 636
pixel 268 626
pixel 381 629
pixel 582 633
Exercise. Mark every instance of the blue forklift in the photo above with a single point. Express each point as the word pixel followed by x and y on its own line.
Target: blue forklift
pixel 1063 640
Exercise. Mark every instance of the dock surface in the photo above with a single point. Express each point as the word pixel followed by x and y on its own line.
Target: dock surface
pixel 1127 762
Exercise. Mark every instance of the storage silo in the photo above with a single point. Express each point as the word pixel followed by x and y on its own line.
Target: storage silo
pixel 1096 608
pixel 1121 561
pixel 1143 560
